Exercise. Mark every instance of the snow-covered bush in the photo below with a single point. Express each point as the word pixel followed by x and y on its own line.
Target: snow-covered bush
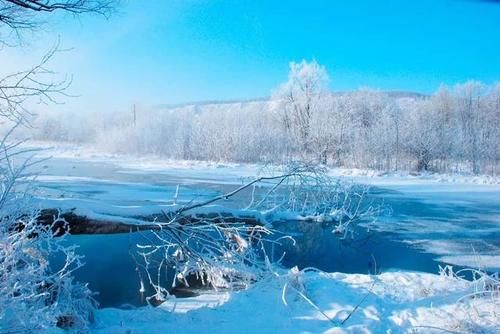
pixel 482 303
pixel 34 293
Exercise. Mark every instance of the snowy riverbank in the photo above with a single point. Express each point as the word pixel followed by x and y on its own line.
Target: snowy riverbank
pixel 398 302
pixel 219 170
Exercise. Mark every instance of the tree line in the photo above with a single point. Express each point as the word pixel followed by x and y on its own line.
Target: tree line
pixel 455 129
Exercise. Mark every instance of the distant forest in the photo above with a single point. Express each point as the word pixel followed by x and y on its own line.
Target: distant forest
pixel 456 129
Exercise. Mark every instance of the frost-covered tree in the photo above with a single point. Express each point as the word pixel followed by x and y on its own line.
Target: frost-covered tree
pixel 492 128
pixel 301 99
pixel 442 107
pixel 421 139
pixel 469 106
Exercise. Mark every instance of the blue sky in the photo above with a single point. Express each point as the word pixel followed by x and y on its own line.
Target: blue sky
pixel 191 50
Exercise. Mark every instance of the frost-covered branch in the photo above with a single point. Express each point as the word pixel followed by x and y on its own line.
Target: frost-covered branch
pixel 225 251
pixel 482 302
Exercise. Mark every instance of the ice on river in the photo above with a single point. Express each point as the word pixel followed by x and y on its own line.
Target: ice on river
pixel 451 217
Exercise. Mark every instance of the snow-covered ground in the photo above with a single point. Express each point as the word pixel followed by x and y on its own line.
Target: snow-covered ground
pixel 329 303
pixel 454 219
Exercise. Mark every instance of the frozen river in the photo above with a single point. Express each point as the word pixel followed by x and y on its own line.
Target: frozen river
pixel 432 223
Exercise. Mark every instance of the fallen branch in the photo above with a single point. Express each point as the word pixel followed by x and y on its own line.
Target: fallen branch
pixel 81 224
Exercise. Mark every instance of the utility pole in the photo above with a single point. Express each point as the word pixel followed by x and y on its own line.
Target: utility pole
pixel 135 115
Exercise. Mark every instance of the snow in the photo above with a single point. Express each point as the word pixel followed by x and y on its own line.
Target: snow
pixel 491 262
pixel 233 172
pixel 201 171
pixel 388 303
pixel 401 178
pixel 185 305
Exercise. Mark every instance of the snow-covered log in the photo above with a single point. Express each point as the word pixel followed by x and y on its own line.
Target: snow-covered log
pixel 63 222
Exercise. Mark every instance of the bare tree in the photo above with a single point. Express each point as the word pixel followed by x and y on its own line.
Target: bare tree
pixel 37 84
pixel 28 14
pixel 21 90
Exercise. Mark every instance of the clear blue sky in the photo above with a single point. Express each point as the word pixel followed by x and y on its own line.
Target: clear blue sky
pixel 191 50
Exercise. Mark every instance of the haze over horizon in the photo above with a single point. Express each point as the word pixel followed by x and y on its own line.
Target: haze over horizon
pixel 186 51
